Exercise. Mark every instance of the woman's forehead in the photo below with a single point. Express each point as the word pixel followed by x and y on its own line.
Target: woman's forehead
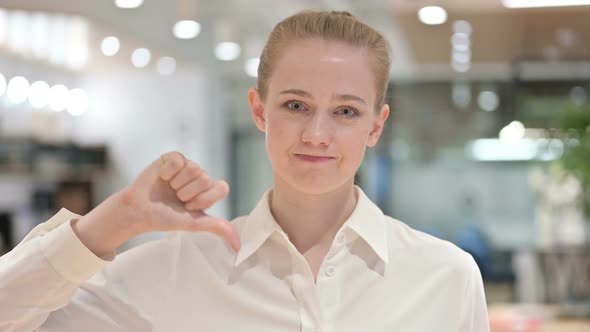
pixel 321 53
pixel 323 67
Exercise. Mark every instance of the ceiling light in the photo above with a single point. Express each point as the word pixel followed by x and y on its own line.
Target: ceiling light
pixel 77 102
pixel 462 57
pixel 462 26
pixel 461 41
pixel 488 101
pixel 18 89
pixel 432 15
pixel 513 132
pixel 110 46
pixel 128 3
pixel 543 3
pixel 461 67
pixel 493 149
pixel 566 37
pixel 39 94
pixel 186 29
pixel 58 97
pixel 141 57
pixel 227 51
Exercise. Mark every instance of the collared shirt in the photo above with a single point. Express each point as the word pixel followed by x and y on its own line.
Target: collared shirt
pixel 379 275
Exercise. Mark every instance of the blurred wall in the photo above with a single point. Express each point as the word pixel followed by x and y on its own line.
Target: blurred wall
pixel 138 116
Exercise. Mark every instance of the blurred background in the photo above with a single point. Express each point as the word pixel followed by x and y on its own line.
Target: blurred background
pixel 488 145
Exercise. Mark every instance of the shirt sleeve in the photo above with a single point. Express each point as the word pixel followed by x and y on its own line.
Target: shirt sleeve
pixel 474 317
pixel 42 273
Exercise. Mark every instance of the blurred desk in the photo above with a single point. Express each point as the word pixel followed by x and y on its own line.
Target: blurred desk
pixel 532 318
pixel 552 275
pixel 566 272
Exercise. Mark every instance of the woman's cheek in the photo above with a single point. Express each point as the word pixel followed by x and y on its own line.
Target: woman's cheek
pixel 358 145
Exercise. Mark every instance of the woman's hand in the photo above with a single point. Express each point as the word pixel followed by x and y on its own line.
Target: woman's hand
pixel 171 194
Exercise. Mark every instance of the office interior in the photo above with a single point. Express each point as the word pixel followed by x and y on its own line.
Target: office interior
pixel 487 146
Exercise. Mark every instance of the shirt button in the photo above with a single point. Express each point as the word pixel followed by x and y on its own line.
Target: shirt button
pixel 330 270
pixel 340 238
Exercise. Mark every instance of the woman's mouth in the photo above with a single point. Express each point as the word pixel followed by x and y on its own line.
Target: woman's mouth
pixel 313 159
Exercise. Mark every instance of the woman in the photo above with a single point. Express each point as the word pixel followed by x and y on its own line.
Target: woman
pixel 314 255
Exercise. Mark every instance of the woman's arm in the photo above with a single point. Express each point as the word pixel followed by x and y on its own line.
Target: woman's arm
pixel 41 274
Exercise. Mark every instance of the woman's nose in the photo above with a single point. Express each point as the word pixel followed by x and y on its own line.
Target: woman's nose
pixel 317 130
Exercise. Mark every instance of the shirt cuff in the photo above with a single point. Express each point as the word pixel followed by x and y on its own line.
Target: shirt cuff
pixel 69 256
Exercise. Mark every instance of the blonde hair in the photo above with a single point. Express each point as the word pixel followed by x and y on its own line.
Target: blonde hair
pixel 330 26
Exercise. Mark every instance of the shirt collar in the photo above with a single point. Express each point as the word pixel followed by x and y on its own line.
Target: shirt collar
pixel 258 227
pixel 366 220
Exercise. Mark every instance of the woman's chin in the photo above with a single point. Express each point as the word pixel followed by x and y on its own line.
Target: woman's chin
pixel 317 186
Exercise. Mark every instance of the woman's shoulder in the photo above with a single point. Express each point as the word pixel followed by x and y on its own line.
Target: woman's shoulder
pixel 430 249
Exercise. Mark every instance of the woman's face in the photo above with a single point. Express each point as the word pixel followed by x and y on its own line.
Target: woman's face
pixel 319 114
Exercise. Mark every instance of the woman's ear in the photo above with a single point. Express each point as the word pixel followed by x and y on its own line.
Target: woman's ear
pixel 378 124
pixel 257 109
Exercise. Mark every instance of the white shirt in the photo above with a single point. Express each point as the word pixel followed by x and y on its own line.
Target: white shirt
pixel 379 275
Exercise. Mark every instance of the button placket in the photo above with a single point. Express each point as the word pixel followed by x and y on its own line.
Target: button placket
pixel 330 271
pixel 328 284
pixel 337 245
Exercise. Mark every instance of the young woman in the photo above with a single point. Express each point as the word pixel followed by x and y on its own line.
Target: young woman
pixel 314 255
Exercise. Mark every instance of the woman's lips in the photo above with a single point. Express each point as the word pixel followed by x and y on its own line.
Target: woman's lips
pixel 314 159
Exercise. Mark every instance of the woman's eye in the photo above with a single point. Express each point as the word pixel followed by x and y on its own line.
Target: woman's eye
pixel 348 112
pixel 295 106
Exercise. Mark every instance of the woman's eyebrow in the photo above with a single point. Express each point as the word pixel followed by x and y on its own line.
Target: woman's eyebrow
pixel 342 97
pixel 348 97
pixel 297 92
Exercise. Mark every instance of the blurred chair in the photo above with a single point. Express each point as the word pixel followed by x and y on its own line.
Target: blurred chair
pixel 430 230
pixel 472 239
pixel 495 266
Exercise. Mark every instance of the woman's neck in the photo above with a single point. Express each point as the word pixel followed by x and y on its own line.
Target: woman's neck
pixel 311 219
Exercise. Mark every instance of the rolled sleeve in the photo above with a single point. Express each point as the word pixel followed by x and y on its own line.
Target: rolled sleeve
pixel 69 256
